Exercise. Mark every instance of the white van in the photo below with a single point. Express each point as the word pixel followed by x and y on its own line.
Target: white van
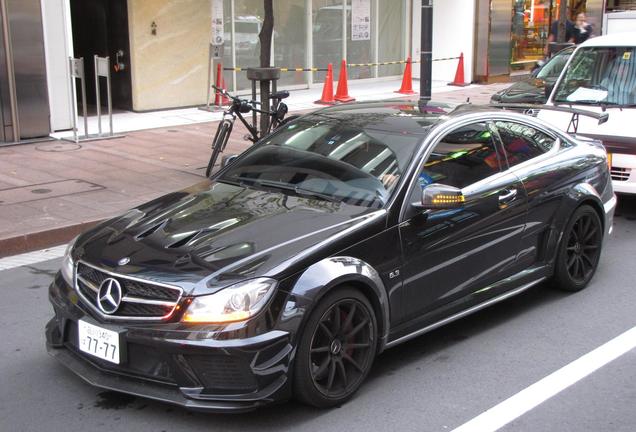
pixel 601 76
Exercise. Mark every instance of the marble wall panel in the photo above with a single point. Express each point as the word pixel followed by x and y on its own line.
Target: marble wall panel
pixel 169 68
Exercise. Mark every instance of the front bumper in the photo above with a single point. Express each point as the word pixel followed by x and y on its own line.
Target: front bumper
pixel 200 368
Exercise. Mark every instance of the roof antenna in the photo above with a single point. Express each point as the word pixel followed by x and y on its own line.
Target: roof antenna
pixel 468 100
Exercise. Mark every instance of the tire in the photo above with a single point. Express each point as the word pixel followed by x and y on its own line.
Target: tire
pixel 218 144
pixel 579 251
pixel 336 349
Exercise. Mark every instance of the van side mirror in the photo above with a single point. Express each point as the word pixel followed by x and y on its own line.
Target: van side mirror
pixel 439 196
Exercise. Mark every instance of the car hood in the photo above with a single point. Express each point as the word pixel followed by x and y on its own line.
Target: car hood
pixel 530 90
pixel 214 234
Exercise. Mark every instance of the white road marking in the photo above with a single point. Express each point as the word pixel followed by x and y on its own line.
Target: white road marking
pixel 530 397
pixel 32 257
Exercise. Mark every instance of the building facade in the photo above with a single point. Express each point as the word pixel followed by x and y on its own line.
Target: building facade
pixel 161 51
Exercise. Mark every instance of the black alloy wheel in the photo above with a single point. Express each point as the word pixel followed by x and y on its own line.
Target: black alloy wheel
pixel 336 350
pixel 580 250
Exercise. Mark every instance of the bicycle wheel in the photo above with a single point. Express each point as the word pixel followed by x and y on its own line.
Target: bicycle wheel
pixel 218 144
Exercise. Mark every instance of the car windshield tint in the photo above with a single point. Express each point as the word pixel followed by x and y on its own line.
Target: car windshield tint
pixel 553 68
pixel 326 159
pixel 600 75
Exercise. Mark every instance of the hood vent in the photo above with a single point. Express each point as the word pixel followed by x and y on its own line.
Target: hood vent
pixel 184 241
pixel 154 228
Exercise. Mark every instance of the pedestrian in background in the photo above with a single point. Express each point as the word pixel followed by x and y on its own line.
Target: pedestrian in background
pixel 582 29
pixel 554 31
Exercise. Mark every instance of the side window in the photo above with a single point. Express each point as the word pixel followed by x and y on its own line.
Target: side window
pixel 462 157
pixel 521 142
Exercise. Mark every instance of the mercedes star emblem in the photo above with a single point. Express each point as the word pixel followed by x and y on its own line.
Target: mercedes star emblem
pixel 109 296
pixel 123 261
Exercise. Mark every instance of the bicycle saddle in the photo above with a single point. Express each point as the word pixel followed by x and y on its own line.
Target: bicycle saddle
pixel 279 95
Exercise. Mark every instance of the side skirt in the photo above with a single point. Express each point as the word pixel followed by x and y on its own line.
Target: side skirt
pixel 464 313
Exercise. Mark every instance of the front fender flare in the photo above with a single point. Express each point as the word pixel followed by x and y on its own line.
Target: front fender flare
pixel 320 278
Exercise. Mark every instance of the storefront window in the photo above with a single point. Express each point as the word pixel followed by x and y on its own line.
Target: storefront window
pixel 248 20
pixel 392 16
pixel 530 29
pixel 327 35
pixel 289 40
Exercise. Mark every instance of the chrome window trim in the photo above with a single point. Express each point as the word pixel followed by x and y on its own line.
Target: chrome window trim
pixel 137 300
pixel 446 126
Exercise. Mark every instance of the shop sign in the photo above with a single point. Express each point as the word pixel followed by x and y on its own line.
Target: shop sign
pixel 360 20
pixel 217 35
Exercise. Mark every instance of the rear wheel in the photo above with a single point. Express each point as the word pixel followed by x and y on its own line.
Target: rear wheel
pixel 579 251
pixel 336 349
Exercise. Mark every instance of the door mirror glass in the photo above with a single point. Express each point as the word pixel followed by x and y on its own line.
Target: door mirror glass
pixel 439 196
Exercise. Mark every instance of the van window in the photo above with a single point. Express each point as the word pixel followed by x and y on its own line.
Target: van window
pixel 600 75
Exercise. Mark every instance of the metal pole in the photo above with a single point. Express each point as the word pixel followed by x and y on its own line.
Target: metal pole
pixel 97 98
pixel 71 62
pixel 83 87
pixel 109 96
pixel 13 98
pixel 207 98
pixel 426 55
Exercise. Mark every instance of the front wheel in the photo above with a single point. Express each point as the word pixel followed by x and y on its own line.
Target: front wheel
pixel 218 144
pixel 579 251
pixel 336 349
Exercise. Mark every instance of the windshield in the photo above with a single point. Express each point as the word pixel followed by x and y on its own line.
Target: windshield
pixel 600 75
pixel 554 66
pixel 326 159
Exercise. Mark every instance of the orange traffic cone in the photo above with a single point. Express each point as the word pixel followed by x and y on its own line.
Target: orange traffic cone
pixel 220 98
pixel 459 75
pixel 407 79
pixel 327 89
pixel 342 92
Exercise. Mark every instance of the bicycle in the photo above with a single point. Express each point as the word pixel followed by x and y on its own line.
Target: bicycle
pixel 237 108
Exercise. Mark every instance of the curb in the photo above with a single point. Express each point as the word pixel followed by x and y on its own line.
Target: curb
pixel 43 239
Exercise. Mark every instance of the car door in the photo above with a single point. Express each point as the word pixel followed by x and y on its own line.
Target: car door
pixel 530 154
pixel 449 253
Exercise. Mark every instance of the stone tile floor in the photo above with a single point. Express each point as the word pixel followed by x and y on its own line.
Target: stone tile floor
pixel 126 171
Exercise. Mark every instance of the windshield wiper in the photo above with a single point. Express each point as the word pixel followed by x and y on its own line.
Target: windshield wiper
pixel 289 187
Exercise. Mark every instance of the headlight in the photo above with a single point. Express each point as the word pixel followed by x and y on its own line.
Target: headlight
pixel 68 264
pixel 237 302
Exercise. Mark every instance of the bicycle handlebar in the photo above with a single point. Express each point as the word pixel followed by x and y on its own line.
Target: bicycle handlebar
pixel 238 102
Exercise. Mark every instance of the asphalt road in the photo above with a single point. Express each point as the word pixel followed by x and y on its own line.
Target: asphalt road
pixel 433 383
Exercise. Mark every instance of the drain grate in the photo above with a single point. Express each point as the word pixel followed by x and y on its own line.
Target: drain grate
pixel 40 191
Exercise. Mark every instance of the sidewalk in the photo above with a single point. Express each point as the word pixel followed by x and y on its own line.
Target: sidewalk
pixel 51 191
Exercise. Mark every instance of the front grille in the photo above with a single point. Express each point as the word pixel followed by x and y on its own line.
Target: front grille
pixel 621 174
pixel 141 300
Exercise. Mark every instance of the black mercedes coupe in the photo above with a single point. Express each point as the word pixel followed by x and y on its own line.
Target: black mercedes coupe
pixel 346 232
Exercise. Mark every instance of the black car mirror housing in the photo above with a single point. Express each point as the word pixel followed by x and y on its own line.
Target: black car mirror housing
pixel 439 196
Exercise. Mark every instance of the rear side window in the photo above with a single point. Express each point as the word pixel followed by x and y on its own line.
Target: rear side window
pixel 521 142
pixel 463 157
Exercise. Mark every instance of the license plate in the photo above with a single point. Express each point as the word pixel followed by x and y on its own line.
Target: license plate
pixel 98 341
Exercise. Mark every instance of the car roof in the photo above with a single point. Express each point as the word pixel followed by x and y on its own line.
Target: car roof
pixel 617 39
pixel 388 116
pixel 400 116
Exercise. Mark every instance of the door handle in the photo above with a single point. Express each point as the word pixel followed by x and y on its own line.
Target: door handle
pixel 507 195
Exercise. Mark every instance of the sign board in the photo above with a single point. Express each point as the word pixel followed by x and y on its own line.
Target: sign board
pixel 77 67
pixel 216 51
pixel 217 36
pixel 360 20
pixel 103 66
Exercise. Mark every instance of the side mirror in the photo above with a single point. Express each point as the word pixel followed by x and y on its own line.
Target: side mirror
pixel 439 196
